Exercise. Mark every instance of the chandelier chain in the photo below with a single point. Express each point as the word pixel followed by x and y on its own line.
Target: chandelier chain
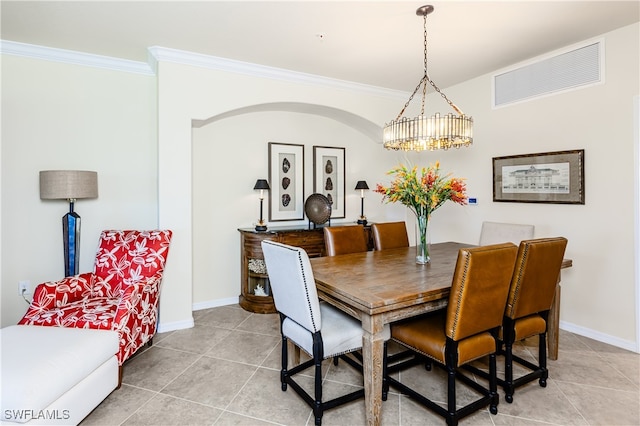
pixel 426 74
pixel 425 78
pixel 411 97
pixel 451 104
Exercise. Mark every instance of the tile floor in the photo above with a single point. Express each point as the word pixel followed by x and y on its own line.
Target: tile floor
pixel 225 371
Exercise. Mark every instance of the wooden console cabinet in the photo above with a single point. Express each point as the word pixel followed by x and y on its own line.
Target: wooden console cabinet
pixel 255 289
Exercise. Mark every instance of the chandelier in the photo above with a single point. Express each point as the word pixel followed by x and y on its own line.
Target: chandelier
pixel 435 132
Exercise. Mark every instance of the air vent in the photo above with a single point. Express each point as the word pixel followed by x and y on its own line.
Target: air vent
pixel 569 70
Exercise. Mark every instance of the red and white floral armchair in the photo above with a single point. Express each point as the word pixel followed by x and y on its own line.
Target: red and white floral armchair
pixel 120 294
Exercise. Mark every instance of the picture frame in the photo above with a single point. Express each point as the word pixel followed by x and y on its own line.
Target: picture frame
pixel 329 177
pixel 547 177
pixel 286 177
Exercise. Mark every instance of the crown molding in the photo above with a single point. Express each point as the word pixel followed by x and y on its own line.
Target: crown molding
pixel 163 54
pixel 72 57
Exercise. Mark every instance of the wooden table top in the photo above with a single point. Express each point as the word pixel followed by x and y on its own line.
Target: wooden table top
pixel 374 282
pixel 377 281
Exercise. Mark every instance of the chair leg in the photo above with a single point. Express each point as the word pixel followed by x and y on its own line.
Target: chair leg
pixel 542 357
pixel 318 356
pixel 317 408
pixel 285 357
pixel 120 372
pixel 508 372
pixel 493 384
pixel 452 418
pixel 315 398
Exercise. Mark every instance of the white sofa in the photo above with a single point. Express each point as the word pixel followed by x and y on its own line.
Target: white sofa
pixel 55 375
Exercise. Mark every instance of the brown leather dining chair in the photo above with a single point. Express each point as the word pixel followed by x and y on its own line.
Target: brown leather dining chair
pixel 389 235
pixel 531 294
pixel 463 332
pixel 344 239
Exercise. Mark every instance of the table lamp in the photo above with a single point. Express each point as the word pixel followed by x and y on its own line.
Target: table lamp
pixel 362 185
pixel 262 185
pixel 69 185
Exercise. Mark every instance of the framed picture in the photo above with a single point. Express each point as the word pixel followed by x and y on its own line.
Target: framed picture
pixel 286 177
pixel 328 177
pixel 548 177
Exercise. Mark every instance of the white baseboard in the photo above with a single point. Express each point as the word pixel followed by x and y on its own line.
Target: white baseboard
pixel 164 327
pixel 214 303
pixel 600 337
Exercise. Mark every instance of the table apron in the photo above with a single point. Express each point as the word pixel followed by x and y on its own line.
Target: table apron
pixel 395 314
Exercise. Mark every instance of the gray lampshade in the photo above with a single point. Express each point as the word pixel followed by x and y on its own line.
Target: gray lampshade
pixel 362 185
pixel 261 184
pixel 68 184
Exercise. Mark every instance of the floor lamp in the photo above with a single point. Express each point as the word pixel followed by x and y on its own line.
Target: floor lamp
pixel 69 185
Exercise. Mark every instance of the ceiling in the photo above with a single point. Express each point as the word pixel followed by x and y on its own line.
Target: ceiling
pixel 378 43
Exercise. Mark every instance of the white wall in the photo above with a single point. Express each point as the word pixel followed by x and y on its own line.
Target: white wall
pixel 60 116
pixel 229 155
pixel 599 291
pixel 189 93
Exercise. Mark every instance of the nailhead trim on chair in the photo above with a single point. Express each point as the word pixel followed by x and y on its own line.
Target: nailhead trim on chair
pixel 306 290
pixel 525 253
pixel 464 283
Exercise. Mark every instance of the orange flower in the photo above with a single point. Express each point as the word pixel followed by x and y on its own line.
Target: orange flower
pixel 424 192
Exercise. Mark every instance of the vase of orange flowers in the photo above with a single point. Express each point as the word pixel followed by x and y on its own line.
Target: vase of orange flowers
pixel 423 191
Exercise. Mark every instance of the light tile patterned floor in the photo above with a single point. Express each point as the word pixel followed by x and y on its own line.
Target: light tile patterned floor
pixel 225 371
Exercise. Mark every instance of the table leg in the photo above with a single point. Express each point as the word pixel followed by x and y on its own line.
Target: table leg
pixel 554 324
pixel 294 354
pixel 372 354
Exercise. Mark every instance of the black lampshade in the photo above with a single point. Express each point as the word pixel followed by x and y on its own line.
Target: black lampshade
pixel 262 184
pixel 362 185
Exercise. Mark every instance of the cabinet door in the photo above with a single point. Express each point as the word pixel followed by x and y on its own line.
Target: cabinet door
pixel 312 241
pixel 256 290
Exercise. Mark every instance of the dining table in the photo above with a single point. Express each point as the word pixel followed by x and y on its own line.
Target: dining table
pixel 380 287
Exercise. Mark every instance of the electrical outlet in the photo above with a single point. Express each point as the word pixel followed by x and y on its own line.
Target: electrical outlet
pixel 24 286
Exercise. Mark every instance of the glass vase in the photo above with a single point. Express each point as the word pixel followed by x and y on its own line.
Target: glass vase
pixel 423 242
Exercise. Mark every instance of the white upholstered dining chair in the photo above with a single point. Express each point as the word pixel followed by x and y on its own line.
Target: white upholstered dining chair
pixel 498 232
pixel 319 329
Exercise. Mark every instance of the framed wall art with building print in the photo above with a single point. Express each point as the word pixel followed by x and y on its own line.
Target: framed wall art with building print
pixel 286 175
pixel 548 177
pixel 329 175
